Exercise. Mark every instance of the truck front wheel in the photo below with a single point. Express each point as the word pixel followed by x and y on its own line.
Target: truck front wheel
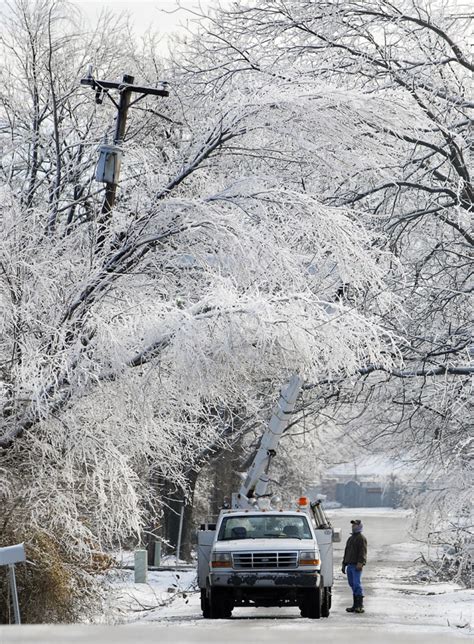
pixel 311 606
pixel 326 604
pixel 220 606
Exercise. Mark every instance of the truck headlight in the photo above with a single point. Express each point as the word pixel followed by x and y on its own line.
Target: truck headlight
pixel 309 558
pixel 221 560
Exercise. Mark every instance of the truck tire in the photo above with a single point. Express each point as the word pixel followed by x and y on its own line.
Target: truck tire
pixel 220 606
pixel 312 604
pixel 326 603
pixel 206 610
pixel 214 605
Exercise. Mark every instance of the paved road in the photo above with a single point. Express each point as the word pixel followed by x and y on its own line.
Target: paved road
pixel 235 633
pixel 397 612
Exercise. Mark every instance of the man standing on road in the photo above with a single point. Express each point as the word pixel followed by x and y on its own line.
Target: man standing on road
pixel 355 558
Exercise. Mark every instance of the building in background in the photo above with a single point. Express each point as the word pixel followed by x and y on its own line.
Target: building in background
pixel 369 482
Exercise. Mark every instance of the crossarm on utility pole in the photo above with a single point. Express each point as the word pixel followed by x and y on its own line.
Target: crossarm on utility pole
pixel 125 85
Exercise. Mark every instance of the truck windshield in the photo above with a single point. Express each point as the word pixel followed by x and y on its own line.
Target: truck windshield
pixel 264 527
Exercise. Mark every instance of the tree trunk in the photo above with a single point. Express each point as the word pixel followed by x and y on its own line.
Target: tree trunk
pixel 173 498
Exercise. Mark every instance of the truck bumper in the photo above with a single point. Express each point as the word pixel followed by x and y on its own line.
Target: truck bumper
pixel 265 579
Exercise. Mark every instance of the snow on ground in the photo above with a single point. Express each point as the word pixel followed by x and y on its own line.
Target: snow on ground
pixel 128 602
pixel 396 594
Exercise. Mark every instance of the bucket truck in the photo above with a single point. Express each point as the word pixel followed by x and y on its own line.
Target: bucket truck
pixel 259 554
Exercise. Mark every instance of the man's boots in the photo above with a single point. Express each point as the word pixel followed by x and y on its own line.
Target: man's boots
pixel 358 604
pixel 353 607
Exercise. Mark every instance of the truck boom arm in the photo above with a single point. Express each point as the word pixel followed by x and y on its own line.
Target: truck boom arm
pixel 256 481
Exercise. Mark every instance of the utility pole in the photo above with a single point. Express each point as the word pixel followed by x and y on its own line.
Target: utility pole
pixel 108 168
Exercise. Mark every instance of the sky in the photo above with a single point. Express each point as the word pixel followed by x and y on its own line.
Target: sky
pixel 157 14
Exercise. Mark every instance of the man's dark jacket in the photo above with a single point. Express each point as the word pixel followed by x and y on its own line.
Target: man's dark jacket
pixel 356 550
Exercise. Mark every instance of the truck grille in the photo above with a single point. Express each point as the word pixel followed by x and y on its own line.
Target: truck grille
pixel 259 560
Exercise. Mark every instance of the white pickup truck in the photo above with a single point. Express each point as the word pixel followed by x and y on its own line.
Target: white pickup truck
pixel 260 555
pixel 265 558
